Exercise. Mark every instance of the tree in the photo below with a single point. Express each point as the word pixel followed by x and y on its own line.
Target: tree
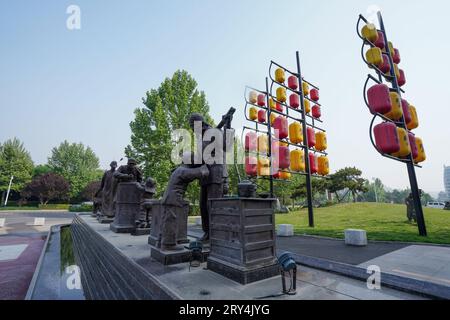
pixel 347 178
pixel 90 190
pixel 165 109
pixel 375 191
pixel 15 161
pixel 76 163
pixel 41 169
pixel 47 187
pixel 318 186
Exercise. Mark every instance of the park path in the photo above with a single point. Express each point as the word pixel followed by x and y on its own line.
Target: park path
pixel 20 248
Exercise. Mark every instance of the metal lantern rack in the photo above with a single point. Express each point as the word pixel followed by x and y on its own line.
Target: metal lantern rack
pixel 296 114
pixel 392 79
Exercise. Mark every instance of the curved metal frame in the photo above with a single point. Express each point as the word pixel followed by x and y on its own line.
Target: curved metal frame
pixel 409 161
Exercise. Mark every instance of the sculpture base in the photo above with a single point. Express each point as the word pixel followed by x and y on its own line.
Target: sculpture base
pixel 121 229
pixel 154 241
pixel 170 257
pixel 141 232
pixel 243 275
pixel 105 220
pixel 174 257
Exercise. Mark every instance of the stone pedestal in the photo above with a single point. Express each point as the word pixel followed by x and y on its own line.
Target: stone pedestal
pixel 285 230
pixel 128 198
pixel 105 220
pixel 357 238
pixel 157 212
pixel 242 238
pixel 141 232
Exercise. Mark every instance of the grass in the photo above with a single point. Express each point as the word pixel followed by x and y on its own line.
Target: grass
pixel 383 222
pixel 24 208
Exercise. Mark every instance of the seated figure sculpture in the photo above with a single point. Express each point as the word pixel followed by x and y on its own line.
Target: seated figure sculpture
pixel 148 191
pixel 173 200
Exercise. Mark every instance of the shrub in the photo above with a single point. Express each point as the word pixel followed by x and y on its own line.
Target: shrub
pixel 54 206
pixel 81 208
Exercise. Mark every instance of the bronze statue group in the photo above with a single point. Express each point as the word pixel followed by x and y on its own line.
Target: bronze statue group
pixel 213 180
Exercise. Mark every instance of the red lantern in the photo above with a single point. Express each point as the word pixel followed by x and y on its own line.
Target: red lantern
pixel 311 137
pixel 262 116
pixel 313 166
pixel 281 124
pixel 386 138
pixel 251 142
pixel 294 100
pixel 379 99
pixel 316 112
pixel 293 82
pixel 314 95
pixel 261 100
pixel 251 166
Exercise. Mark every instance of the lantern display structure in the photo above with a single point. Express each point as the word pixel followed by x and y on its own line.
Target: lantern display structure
pixel 394 118
pixel 286 138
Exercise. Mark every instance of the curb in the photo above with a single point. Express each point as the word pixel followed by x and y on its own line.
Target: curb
pixel 376 241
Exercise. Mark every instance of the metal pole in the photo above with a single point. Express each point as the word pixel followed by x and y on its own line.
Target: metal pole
pixel 269 126
pixel 9 190
pixel 410 165
pixel 305 140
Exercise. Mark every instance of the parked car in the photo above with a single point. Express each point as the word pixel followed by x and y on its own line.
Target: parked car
pixel 436 205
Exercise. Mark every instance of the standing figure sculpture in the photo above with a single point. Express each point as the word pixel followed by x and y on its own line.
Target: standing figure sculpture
pixel 215 185
pixel 410 207
pixel 129 172
pixel 106 191
pixel 127 197
pixel 173 203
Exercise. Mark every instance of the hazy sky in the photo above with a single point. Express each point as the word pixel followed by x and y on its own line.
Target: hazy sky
pixel 83 85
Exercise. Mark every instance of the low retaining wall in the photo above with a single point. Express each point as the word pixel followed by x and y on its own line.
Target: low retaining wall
pixel 107 274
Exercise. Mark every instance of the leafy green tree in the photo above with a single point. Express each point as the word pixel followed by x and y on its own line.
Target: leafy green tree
pixel 41 169
pixel 15 161
pixel 350 179
pixel 319 187
pixel 376 191
pixel 76 163
pixel 165 109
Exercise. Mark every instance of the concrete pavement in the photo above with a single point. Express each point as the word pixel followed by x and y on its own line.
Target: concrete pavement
pixel 20 248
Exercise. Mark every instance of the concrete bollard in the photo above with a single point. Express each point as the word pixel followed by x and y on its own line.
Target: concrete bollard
pixel 285 230
pixel 354 237
pixel 198 221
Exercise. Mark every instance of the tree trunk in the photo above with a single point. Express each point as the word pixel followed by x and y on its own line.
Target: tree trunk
pixel 3 198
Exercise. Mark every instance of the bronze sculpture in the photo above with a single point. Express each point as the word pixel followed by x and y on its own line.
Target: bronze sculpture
pixel 106 191
pixel 127 197
pixel 216 184
pixel 173 202
pixel 129 172
pixel 148 192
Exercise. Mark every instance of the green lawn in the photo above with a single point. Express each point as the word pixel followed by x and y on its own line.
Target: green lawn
pixel 383 222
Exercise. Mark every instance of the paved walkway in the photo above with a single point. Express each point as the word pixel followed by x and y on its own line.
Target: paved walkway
pixel 421 262
pixel 20 248
pixel 427 263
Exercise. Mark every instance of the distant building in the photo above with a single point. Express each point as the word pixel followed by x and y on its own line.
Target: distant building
pixel 447 182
